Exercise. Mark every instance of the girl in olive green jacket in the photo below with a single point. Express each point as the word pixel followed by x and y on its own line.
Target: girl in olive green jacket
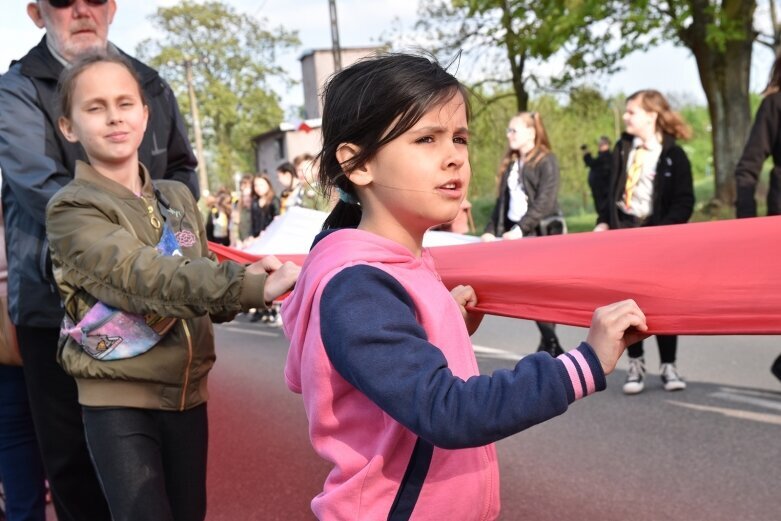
pixel 145 416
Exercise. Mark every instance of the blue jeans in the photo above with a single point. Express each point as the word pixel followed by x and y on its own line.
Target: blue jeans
pixel 21 469
pixel 151 464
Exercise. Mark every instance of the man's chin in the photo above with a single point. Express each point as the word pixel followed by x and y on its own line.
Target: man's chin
pixel 72 50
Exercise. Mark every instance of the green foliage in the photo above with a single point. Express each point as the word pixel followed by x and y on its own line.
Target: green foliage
pixel 511 41
pixel 233 57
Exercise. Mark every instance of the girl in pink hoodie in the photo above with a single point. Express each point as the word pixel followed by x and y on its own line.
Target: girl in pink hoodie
pixel 380 349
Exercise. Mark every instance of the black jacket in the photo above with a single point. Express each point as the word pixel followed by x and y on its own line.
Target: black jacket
pixel 37 161
pixel 541 184
pixel 599 169
pixel 263 215
pixel 764 141
pixel 673 194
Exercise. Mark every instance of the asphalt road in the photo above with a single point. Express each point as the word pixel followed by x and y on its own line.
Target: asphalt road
pixel 712 452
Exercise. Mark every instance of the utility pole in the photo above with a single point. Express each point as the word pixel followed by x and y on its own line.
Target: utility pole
pixel 336 49
pixel 203 180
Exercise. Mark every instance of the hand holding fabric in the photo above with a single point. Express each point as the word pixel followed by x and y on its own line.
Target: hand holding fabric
pixel 465 296
pixel 281 276
pixel 613 328
pixel 513 233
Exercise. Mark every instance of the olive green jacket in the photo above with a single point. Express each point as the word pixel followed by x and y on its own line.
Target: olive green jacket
pixel 102 239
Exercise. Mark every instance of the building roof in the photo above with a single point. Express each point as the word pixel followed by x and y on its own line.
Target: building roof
pixel 290 126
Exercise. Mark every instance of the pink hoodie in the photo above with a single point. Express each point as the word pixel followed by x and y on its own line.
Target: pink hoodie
pixel 369 449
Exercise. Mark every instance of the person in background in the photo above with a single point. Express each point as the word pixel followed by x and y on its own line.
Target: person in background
pixel 265 204
pixel 37 161
pixel 21 468
pixel 288 178
pixel 527 204
pixel 650 185
pixel 764 141
pixel 265 207
pixel 218 217
pixel 243 214
pixel 599 171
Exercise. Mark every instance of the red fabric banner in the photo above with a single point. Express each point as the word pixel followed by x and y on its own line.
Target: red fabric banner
pixel 719 277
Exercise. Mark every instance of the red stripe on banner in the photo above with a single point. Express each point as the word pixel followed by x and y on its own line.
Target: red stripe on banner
pixel 719 277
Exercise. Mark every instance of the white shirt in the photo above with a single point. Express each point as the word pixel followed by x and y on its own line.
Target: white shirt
pixel 641 204
pixel 519 201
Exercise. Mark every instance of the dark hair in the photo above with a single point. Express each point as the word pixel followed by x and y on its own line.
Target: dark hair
pixel 369 104
pixel 667 120
pixel 287 167
pixel 67 81
pixel 270 195
pixel 774 82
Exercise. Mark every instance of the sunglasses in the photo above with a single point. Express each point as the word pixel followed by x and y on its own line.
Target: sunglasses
pixel 62 4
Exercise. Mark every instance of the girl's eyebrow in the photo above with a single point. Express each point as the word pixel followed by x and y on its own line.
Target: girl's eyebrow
pixel 439 130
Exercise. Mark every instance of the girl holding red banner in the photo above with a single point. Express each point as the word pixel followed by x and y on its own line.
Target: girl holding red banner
pixel 122 243
pixel 527 204
pixel 379 348
pixel 651 185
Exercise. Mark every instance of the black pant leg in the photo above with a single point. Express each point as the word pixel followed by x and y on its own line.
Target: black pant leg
pixel 127 447
pixel 185 441
pixel 668 346
pixel 152 464
pixel 635 350
pixel 58 425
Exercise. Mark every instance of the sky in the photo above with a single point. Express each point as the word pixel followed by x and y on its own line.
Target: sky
pixel 671 70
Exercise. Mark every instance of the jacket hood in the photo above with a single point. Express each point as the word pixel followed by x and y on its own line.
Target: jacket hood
pixel 332 252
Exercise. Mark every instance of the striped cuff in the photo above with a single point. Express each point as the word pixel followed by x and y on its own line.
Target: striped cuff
pixel 583 372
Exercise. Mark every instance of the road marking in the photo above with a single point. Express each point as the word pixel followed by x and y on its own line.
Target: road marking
pixel 499 354
pixel 742 398
pixel 773 419
pixel 753 392
pixel 239 329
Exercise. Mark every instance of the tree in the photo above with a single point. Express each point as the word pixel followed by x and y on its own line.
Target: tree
pixel 771 38
pixel 234 65
pixel 510 41
pixel 720 35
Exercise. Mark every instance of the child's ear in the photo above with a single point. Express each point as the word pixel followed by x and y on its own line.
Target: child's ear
pixel 346 152
pixel 146 117
pixel 67 129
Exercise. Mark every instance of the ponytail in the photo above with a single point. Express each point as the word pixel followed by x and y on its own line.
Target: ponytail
pixel 344 215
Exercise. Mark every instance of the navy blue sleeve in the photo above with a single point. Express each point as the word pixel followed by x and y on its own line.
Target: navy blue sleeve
pixel 374 341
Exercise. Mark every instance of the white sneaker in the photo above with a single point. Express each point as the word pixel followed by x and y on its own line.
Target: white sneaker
pixel 635 376
pixel 670 378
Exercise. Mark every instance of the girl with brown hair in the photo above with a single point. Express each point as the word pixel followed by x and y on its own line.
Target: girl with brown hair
pixel 527 203
pixel 650 185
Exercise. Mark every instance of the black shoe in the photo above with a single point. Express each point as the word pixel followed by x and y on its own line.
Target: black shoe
pixel 256 316
pixel 776 368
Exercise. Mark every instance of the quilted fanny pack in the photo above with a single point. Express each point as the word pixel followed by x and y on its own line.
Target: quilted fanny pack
pixel 108 333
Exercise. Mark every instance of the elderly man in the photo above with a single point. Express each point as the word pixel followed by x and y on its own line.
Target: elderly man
pixel 36 161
